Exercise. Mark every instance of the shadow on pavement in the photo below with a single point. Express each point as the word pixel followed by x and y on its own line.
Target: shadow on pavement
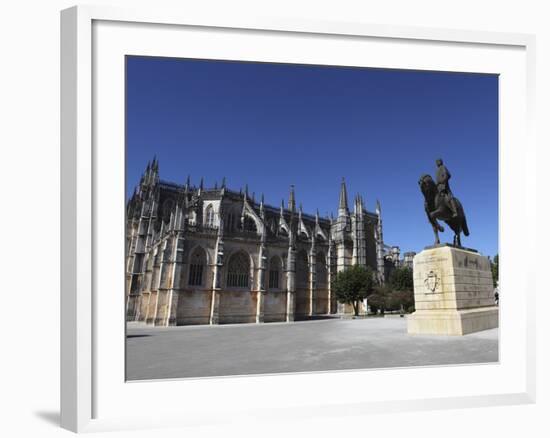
pixel 316 318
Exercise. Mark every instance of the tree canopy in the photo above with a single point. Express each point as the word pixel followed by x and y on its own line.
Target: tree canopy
pixel 401 279
pixel 353 285
pixel 396 294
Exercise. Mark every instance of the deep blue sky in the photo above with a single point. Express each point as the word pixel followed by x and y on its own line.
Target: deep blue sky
pixel 272 125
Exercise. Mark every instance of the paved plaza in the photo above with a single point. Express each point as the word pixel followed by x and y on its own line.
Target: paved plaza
pixel 321 345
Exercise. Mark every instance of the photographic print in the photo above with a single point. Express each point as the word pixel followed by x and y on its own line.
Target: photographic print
pixel 285 218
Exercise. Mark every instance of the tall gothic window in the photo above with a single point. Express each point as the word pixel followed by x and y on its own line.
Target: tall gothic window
pixel 302 270
pixel 238 270
pixel 167 251
pixel 274 272
pixel 209 217
pixel 249 225
pixel 321 268
pixel 230 222
pixel 156 263
pixel 196 267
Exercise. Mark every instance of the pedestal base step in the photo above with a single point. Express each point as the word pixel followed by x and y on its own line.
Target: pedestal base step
pixel 452 322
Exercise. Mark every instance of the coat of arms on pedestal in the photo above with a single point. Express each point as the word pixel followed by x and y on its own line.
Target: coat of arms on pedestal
pixel 431 281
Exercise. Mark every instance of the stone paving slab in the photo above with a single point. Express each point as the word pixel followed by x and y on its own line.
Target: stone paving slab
pixel 324 345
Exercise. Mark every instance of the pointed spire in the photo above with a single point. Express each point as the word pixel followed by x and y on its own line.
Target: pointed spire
pixel 246 190
pixel 262 214
pixel 202 183
pixel 172 222
pixel 378 208
pixel 343 201
pixel 358 205
pixel 177 215
pixel 188 183
pixel 282 207
pixel 317 216
pixel 292 199
pixel 220 227
pixel 223 183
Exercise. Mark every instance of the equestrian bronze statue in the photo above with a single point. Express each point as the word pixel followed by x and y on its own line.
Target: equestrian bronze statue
pixel 440 204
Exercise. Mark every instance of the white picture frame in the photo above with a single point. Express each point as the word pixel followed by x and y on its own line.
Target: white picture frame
pixel 93 398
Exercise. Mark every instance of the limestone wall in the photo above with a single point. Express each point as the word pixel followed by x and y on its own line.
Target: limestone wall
pixel 275 306
pixel 237 307
pixel 302 302
pixel 320 301
pixel 194 307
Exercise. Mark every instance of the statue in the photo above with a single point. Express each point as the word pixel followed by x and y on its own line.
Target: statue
pixel 440 203
pixel 442 177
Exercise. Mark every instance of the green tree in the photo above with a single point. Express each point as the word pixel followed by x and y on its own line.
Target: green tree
pixel 401 279
pixel 353 285
pixel 380 299
pixel 494 270
pixel 403 300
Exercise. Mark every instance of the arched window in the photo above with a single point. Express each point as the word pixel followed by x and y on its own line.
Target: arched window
pixel 274 272
pixel 209 217
pixel 321 268
pixel 156 266
pixel 302 270
pixel 249 225
pixel 196 267
pixel 320 235
pixel 228 223
pixel 167 207
pixel 238 270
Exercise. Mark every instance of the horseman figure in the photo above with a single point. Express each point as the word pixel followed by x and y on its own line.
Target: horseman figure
pixel 442 177
pixel 441 204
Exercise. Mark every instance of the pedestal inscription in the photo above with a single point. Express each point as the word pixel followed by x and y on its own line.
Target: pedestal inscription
pixel 453 293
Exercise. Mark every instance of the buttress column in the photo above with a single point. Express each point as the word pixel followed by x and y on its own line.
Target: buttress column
pixel 217 281
pixel 177 267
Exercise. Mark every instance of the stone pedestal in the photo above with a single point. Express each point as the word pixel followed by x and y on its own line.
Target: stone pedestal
pixel 453 293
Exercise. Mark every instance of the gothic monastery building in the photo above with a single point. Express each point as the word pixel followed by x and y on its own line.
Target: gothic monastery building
pixel 199 255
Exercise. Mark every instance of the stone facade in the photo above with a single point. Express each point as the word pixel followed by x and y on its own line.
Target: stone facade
pixel 453 292
pixel 199 255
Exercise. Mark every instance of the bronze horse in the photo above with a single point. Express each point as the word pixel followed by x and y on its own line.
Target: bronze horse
pixel 437 208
